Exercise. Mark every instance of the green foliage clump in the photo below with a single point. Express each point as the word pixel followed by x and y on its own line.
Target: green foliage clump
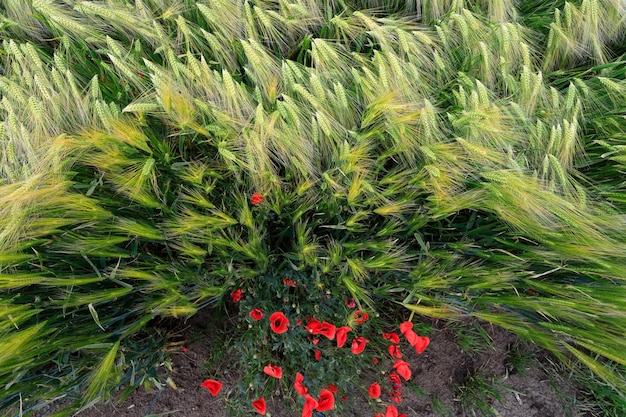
pixel 449 158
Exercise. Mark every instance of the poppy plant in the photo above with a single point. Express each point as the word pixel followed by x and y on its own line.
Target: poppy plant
pixel 310 404
pixel 358 345
pixel 212 385
pixel 300 389
pixel 342 335
pixel 256 314
pixel 374 390
pixel 279 322
pixel 326 401
pixel 274 371
pixel 260 406
pixel 236 295
pixel 257 198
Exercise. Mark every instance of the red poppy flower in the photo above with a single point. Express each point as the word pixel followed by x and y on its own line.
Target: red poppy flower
pixel 313 325
pixel 342 335
pixel 396 396
pixel 405 326
pixel 332 388
pixel 392 337
pixel 344 397
pixel 326 401
pixel 289 282
pixel 360 317
pixel 418 342
pixel 411 337
pixel 358 345
pixel 274 371
pixel 212 385
pixel 257 198
pixel 374 390
pixel 318 355
pixel 236 295
pixel 421 343
pixel 310 404
pixel 391 411
pixel 259 405
pixel 394 380
pixel 256 314
pixel 184 349
pixel 350 303
pixel 375 360
pixel 315 341
pixel 394 351
pixel 279 322
pixel 300 389
pixel 402 368
pixel 326 329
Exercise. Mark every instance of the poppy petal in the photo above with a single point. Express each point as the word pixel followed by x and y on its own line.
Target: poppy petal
pixel 391 411
pixel 358 345
pixel 212 385
pixel 300 389
pixel 274 371
pixel 411 337
pixel 421 343
pixel 405 327
pixel 402 368
pixel 394 351
pixel 256 198
pixel 279 322
pixel 256 314
pixel 310 404
pixel 326 401
pixel 374 390
pixel 260 406
pixel 342 335
pixel 392 337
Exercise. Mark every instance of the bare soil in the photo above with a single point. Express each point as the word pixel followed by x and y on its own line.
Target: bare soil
pixel 446 381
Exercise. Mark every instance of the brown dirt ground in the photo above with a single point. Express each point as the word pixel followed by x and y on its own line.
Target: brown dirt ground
pixel 433 390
